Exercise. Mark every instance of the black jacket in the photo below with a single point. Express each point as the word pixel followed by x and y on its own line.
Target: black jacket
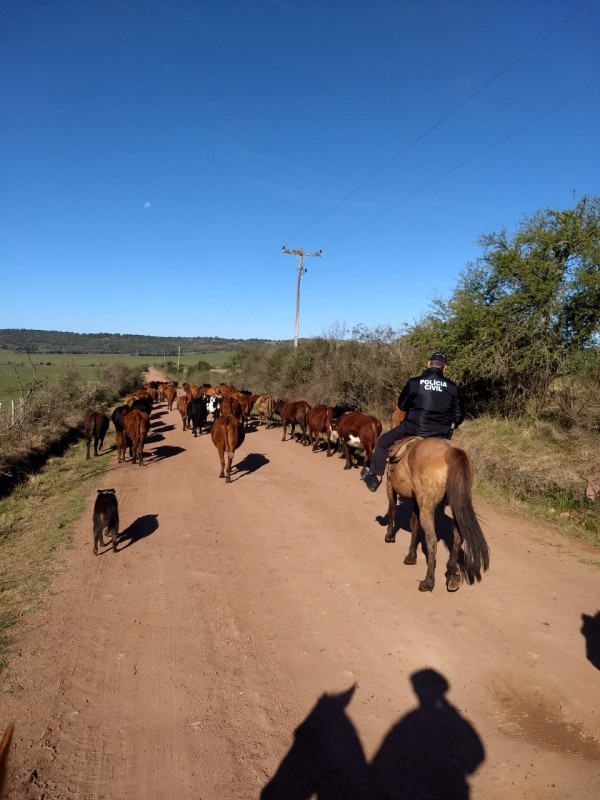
pixel 432 403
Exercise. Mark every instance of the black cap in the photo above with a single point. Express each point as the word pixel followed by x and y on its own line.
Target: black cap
pixel 439 357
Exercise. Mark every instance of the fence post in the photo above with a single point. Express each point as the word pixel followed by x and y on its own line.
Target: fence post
pixel 12 412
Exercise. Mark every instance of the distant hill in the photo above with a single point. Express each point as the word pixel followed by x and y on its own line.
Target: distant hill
pixel 30 341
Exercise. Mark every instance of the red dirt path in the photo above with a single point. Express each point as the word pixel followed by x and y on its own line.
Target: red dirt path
pixel 181 666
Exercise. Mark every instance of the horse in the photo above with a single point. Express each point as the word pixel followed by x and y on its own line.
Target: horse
pixel 430 471
pixel 326 759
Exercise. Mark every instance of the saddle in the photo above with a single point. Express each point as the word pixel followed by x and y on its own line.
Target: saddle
pixel 399 449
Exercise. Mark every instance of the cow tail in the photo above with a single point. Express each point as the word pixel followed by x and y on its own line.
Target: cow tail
pixel 228 450
pixel 458 493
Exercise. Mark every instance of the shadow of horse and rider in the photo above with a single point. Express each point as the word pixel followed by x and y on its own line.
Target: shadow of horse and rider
pixel 427 755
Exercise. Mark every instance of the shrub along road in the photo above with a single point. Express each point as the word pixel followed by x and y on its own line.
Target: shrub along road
pixel 181 666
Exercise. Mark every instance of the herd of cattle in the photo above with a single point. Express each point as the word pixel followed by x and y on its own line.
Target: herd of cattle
pixel 231 414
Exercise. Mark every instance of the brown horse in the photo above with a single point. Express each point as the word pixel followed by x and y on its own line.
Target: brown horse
pixel 430 471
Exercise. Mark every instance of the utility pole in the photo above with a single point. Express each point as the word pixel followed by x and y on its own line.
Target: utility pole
pixel 299 251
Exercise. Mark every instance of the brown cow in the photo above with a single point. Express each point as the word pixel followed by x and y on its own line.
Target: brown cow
pixel 357 430
pixel 96 425
pixel 247 402
pixel 225 390
pixel 231 407
pixel 121 440
pixel 264 407
pixel 170 393
pixel 227 435
pixel 319 421
pixel 136 425
pixel 182 406
pixel 295 413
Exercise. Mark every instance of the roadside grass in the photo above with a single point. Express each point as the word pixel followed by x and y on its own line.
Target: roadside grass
pixel 538 468
pixel 36 523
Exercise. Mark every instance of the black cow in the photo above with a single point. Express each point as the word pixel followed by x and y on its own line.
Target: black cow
pixel 197 413
pixel 96 425
pixel 117 418
pixel 143 404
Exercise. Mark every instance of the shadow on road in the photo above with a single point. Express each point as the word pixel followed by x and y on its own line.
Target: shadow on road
pixel 250 463
pixel 142 527
pixel 591 630
pixel 166 451
pixel 162 428
pixel 429 753
pixel 443 523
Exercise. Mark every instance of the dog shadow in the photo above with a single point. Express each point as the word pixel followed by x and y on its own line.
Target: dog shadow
pixel 142 527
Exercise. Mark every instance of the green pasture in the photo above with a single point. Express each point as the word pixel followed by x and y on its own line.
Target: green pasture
pixel 17 373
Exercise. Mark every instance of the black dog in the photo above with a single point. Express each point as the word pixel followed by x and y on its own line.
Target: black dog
pixel 106 515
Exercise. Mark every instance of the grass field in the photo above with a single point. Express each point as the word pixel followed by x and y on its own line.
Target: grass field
pixel 15 367
pixel 36 521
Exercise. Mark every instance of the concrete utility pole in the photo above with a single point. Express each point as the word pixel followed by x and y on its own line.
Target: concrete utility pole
pixel 301 270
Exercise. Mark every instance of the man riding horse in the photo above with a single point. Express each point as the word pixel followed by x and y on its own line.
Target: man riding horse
pixel 433 407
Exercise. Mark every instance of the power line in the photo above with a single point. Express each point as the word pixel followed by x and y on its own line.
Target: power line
pixel 444 174
pixel 299 251
pixel 465 162
pixel 443 119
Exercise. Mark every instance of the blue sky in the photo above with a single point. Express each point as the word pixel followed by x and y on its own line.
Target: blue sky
pixel 155 156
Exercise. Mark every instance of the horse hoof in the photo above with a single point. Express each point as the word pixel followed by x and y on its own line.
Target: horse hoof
pixel 390 539
pixel 425 586
pixel 410 561
pixel 453 583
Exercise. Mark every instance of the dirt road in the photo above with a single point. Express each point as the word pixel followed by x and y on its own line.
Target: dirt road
pixel 181 666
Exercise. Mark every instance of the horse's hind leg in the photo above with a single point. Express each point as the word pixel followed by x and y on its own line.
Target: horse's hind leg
pixel 390 535
pixel 411 557
pixel 427 523
pixel 452 570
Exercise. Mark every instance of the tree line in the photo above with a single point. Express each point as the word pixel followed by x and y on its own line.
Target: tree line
pixel 34 341
pixel 521 331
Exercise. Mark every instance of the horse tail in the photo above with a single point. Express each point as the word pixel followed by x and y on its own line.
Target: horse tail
pixel 458 492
